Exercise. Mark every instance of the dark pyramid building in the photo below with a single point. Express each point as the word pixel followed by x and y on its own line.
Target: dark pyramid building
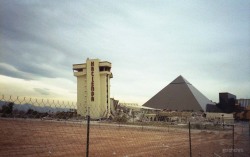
pixel 179 95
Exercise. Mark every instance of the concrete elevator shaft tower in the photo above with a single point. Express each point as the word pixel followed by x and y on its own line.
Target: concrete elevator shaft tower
pixel 93 88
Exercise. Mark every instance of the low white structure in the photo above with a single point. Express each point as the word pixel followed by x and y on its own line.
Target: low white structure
pixel 220 117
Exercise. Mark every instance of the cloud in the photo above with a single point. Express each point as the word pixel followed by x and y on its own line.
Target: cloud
pixel 48 88
pixel 148 43
pixel 43 91
pixel 10 70
pixel 31 42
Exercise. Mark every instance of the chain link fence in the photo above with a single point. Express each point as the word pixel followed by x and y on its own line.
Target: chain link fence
pixel 38 127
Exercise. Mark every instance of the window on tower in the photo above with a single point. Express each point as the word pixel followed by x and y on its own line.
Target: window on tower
pixel 104 68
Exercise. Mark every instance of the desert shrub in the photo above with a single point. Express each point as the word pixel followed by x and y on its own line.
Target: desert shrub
pixel 7 109
pixel 64 115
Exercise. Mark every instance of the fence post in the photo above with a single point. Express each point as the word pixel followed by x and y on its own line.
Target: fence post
pixel 249 128
pixel 233 140
pixel 190 149
pixel 87 145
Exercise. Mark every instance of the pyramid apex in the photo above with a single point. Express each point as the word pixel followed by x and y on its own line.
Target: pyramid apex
pixel 179 80
pixel 180 76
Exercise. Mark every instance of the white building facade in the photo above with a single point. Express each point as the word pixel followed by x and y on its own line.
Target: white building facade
pixel 93 88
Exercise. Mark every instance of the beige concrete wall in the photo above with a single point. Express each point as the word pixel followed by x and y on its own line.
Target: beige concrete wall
pixel 108 94
pixel 102 96
pixel 81 95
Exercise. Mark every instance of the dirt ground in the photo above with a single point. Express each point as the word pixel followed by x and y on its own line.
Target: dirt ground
pixel 19 137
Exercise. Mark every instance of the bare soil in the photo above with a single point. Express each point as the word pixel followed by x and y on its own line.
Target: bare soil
pixel 20 137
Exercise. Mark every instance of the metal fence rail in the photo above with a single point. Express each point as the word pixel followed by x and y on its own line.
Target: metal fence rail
pixel 38 127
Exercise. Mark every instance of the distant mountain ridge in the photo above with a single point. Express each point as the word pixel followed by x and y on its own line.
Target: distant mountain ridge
pixel 43 109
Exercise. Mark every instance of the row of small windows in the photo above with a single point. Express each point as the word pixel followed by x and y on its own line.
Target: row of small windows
pixel 100 69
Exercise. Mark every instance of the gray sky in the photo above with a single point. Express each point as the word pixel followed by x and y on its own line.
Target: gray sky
pixel 149 44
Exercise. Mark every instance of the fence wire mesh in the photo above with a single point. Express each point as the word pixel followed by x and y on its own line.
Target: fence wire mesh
pixel 38 127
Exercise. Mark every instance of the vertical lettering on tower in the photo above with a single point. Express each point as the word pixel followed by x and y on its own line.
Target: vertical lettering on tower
pixel 92 81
